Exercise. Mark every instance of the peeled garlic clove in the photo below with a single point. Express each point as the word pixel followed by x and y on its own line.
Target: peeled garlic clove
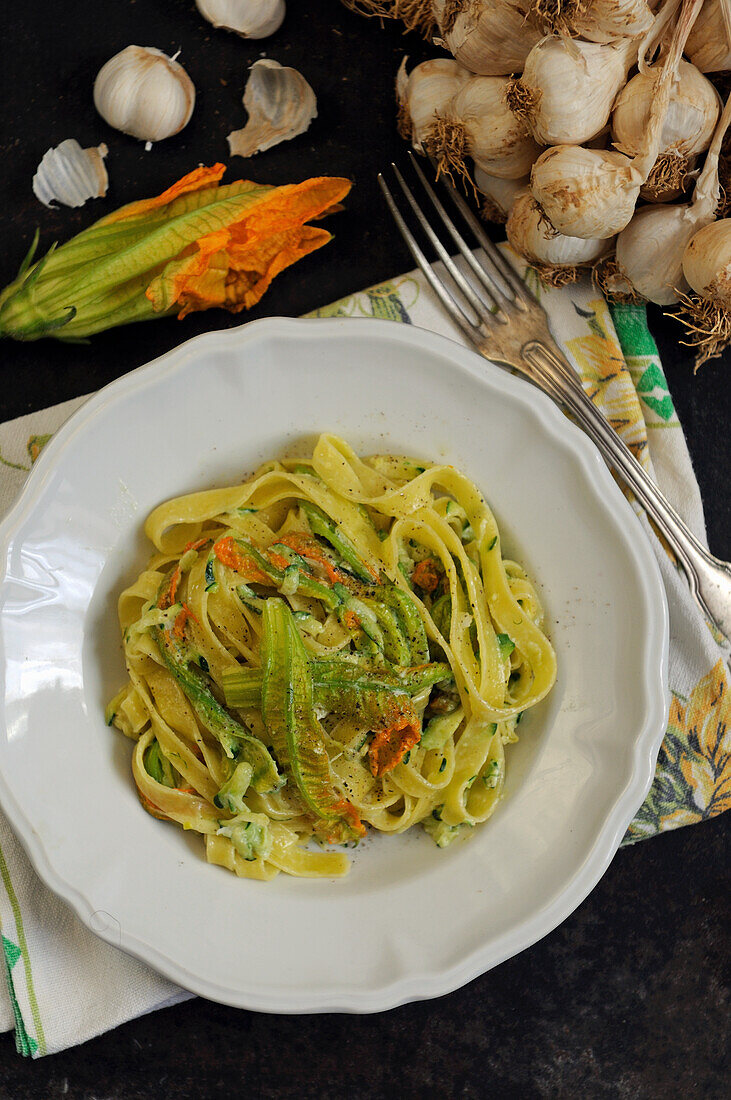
pixel 568 88
pixel 143 92
pixel 498 194
pixel 707 263
pixel 281 105
pixel 598 21
pixel 709 42
pixel 650 251
pixel 478 123
pixel 531 236
pixel 690 119
pixel 489 37
pixel 248 18
pixel 589 193
pixel 70 175
pixel 424 93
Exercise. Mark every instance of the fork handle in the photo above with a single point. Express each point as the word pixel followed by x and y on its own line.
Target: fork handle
pixel 708 577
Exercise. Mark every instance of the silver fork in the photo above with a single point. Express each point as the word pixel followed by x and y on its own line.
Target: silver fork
pixel 508 326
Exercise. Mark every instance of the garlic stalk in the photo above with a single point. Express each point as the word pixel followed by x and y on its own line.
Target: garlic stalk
pixel 691 116
pixel 568 88
pixel 652 44
pixel 424 93
pixel 70 175
pixel 596 20
pixel 557 258
pixel 592 193
pixel 498 195
pixel 281 105
pixel 489 37
pixel 143 92
pixel 248 18
pixel 478 123
pixel 709 43
pixel 650 249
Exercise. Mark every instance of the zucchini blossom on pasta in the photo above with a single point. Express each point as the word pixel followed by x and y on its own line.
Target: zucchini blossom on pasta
pixel 195 246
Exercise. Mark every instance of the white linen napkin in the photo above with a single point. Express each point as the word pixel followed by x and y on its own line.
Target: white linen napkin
pixel 63 985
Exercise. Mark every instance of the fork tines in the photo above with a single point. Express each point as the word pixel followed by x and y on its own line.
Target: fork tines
pixel 494 293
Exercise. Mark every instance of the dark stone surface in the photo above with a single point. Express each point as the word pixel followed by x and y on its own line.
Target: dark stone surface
pixel 627 997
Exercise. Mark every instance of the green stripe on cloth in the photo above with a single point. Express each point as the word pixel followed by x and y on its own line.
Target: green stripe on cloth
pixel 23 945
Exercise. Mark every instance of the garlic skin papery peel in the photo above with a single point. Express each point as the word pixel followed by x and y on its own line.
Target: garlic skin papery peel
pixel 247 18
pixel 478 123
pixel 498 194
pixel 597 20
pixel 709 42
pixel 70 175
pixel 281 105
pixel 568 88
pixel 531 237
pixel 143 92
pixel 707 263
pixel 650 252
pixel 593 193
pixel 691 116
pixel 589 193
pixel 488 37
pixel 650 249
pixel 424 93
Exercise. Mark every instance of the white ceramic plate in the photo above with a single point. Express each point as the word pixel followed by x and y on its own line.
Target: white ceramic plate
pixel 410 920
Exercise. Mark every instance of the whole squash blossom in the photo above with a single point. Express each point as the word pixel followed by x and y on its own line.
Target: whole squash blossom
pixel 195 246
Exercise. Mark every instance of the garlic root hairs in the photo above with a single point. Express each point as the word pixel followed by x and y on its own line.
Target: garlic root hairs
pixel 521 100
pixel 612 284
pixel 452 8
pixel 416 15
pixel 557 16
pixel 447 141
pixel 708 326
pixel 669 173
pixel 558 275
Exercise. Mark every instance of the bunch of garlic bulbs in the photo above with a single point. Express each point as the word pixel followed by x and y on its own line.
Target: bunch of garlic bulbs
pixel 582 123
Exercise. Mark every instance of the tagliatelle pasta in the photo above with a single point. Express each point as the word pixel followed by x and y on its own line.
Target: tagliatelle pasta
pixel 336 643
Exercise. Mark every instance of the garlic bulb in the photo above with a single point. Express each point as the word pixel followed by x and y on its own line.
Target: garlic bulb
pixel 143 92
pixel 248 18
pixel 529 235
pixel 568 88
pixel 709 42
pixel 650 250
pixel 70 175
pixel 281 105
pixel 489 37
pixel 707 263
pixel 592 193
pixel 424 93
pixel 598 21
pixel 498 194
pixel 478 123
pixel 586 192
pixel 691 116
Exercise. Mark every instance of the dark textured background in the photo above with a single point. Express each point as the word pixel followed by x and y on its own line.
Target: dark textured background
pixel 625 999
